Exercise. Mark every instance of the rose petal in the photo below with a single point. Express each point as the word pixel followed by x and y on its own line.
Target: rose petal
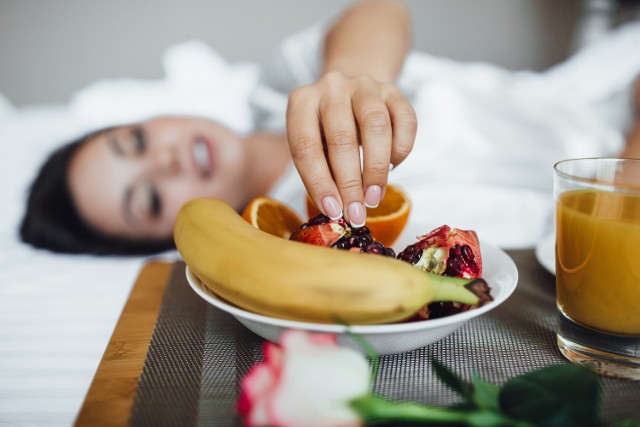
pixel 307 381
pixel 259 415
pixel 272 354
pixel 258 381
pixel 292 339
pixel 258 384
pixel 317 381
pixel 320 339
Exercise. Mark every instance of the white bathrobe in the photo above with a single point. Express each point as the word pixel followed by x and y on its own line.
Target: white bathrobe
pixel 488 137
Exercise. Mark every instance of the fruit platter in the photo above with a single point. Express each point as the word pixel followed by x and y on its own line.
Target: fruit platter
pixel 322 275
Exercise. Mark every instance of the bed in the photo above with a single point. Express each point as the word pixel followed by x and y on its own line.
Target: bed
pixel 57 312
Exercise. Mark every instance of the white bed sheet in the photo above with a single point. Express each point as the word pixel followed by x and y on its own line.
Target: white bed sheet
pixel 57 312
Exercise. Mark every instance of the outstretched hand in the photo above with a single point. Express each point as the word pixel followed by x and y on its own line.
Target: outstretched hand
pixel 327 122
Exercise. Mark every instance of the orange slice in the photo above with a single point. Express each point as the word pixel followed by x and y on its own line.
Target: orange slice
pixel 271 216
pixel 386 221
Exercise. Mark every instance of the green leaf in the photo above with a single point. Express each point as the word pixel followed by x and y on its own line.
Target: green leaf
pixel 451 379
pixel 485 395
pixel 560 395
pixel 482 418
pixel 626 423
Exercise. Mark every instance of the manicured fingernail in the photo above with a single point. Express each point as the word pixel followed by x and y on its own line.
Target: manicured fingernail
pixel 372 196
pixel 331 207
pixel 391 167
pixel 357 214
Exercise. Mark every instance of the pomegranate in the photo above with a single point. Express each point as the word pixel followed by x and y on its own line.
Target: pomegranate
pixel 446 308
pixel 322 231
pixel 446 251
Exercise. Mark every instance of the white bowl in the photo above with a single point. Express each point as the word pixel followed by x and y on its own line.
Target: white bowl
pixel 499 271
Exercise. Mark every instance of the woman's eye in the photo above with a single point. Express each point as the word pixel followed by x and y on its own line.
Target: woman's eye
pixel 154 202
pixel 139 141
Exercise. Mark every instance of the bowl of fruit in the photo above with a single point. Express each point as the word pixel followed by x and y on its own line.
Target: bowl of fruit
pixel 326 276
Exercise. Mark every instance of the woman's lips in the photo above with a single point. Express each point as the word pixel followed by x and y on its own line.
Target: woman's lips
pixel 203 157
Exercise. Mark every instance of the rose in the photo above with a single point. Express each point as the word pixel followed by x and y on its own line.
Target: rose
pixel 307 380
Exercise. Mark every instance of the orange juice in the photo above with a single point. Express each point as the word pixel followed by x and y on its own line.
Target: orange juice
pixel 598 259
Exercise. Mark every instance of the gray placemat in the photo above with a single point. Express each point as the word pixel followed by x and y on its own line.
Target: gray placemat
pixel 198 354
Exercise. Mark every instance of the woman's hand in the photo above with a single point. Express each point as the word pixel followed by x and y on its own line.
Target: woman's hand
pixel 327 122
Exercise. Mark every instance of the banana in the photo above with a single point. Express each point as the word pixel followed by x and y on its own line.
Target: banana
pixel 291 280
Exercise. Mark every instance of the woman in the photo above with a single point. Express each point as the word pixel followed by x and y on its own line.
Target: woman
pixel 119 190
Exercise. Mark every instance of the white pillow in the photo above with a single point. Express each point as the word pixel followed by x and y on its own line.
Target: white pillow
pixel 198 81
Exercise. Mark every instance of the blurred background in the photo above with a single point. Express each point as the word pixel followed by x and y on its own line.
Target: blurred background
pixel 52 48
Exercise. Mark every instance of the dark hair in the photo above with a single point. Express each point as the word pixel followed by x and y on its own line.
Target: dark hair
pixel 52 221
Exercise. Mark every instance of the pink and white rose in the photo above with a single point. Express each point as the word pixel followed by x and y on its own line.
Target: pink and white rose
pixel 308 380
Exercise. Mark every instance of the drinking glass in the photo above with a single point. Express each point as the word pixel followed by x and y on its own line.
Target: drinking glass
pixel 598 263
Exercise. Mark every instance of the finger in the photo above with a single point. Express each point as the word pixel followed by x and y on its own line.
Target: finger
pixel 404 124
pixel 374 124
pixel 305 143
pixel 344 155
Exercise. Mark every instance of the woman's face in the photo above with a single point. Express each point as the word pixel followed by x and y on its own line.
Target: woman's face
pixel 131 181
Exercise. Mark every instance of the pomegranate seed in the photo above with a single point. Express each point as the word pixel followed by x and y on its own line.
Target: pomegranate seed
pixel 455 251
pixel 467 253
pixel 319 219
pixel 361 231
pixel 366 239
pixel 341 244
pixel 356 238
pixel 375 248
pixel 354 242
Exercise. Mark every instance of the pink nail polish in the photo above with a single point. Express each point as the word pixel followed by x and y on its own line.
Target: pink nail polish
pixel 331 207
pixel 372 196
pixel 357 214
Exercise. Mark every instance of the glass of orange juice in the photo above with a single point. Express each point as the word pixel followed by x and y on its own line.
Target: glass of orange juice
pixel 598 263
